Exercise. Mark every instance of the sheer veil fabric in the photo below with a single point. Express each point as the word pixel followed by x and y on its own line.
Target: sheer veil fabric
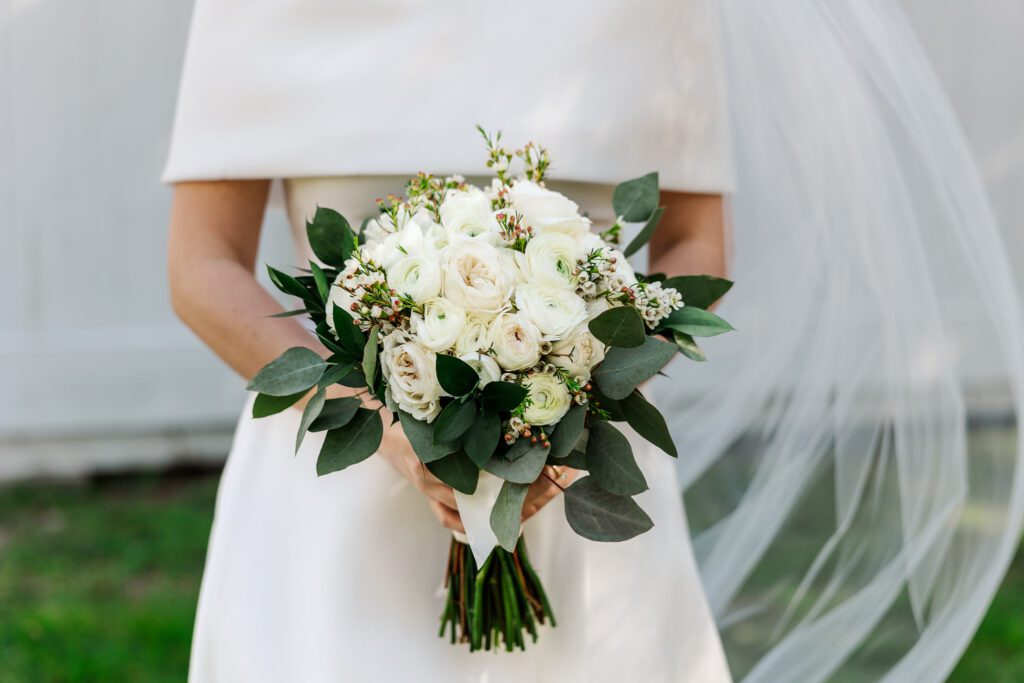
pixel 851 457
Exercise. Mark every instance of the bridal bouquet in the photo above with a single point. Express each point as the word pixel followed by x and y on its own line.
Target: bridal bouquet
pixel 505 336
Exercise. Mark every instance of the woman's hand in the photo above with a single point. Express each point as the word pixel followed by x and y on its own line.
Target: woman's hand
pixel 551 482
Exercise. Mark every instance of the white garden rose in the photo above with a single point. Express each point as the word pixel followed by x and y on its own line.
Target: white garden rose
pixel 476 276
pixel 578 353
pixel 408 368
pixel 440 325
pixel 550 258
pixel 484 365
pixel 547 211
pixel 418 276
pixel 549 400
pixel 408 241
pixel 467 214
pixel 515 341
pixel 475 336
pixel 554 310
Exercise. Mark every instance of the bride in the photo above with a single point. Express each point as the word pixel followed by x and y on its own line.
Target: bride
pixel 874 307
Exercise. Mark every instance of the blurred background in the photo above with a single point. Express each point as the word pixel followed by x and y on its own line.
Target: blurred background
pixel 114 419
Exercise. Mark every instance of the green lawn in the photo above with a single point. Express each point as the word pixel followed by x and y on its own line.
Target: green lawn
pixel 98 582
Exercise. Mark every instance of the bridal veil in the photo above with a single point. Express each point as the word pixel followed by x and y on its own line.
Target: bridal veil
pixel 850 457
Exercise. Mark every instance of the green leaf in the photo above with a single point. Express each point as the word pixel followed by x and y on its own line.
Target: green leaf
pixel 648 422
pixel 482 437
pixel 349 335
pixel 503 396
pixel 456 470
pixel 421 436
pixel 645 234
pixel 699 290
pixel 295 370
pixel 351 444
pixel 622 327
pixel 337 412
pixel 370 355
pixel 623 369
pixel 455 375
pixel 320 279
pixel 523 470
pixel 696 322
pixel 330 237
pixel 335 373
pixel 568 432
pixel 507 513
pixel 266 405
pixel 576 459
pixel 687 346
pixel 354 379
pixel 611 462
pixel 310 413
pixel 453 421
pixel 288 314
pixel 635 200
pixel 595 514
pixel 609 405
pixel 289 285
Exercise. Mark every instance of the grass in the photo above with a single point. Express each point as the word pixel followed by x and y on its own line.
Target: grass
pixel 98 582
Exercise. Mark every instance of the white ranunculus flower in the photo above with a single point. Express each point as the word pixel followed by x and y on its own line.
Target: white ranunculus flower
pixel 476 277
pixel 623 271
pixel 467 214
pixel 549 259
pixel 515 341
pixel 554 310
pixel 408 368
pixel 418 276
pixel 440 325
pixel 484 365
pixel 408 241
pixel 578 353
pixel 546 210
pixel 476 335
pixel 550 400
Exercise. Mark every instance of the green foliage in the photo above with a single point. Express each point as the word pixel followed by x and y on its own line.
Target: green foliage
pixel 695 322
pixel 309 413
pixel 635 200
pixel 322 286
pixel 421 436
pixel 648 422
pixel 595 514
pixel 350 337
pixel 623 369
pixel 645 234
pixel 455 375
pixel 336 412
pixel 503 396
pixel 621 327
pixel 700 291
pixel 330 237
pixel 266 405
pixel 524 469
pixel 454 420
pixel 352 443
pixel 688 346
pixel 611 462
pixel 456 470
pixel 482 438
pixel 295 370
pixel 289 285
pixel 507 512
pixel 568 432
pixel 370 356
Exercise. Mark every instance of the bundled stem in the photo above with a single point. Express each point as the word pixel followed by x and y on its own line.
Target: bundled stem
pixel 496 605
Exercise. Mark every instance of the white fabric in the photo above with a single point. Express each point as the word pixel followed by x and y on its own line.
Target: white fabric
pixel 337 578
pixel 290 88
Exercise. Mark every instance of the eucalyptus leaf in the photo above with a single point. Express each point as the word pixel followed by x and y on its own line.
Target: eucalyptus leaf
pixel 507 513
pixel 330 236
pixel 370 355
pixel 295 370
pixel 645 234
pixel 337 412
pixel 611 462
pixel 577 460
pixel 351 444
pixel 597 515
pixel 354 379
pixel 609 405
pixel 310 413
pixel 635 200
pixel 621 326
pixel 421 436
pixel 456 470
pixel 453 421
pixel 568 432
pixel 700 291
pixel 503 396
pixel 623 369
pixel 523 470
pixel 695 322
pixel 266 405
pixel 455 375
pixel 648 422
pixel 482 438
pixel 688 346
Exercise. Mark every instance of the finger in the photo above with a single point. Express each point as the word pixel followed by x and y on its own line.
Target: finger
pixel 434 488
pixel 448 517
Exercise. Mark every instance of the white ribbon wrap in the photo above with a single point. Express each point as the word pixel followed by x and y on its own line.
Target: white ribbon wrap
pixel 475 511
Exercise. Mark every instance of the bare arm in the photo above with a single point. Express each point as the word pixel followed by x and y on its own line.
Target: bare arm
pixel 691 238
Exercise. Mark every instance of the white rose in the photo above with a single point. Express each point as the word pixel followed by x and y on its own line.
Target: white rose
pixel 550 258
pixel 546 210
pixel 515 341
pixel 408 368
pixel 417 276
pixel 549 401
pixel 555 311
pixel 476 277
pixel 484 365
pixel 578 353
pixel 475 335
pixel 406 242
pixel 468 215
pixel 440 325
